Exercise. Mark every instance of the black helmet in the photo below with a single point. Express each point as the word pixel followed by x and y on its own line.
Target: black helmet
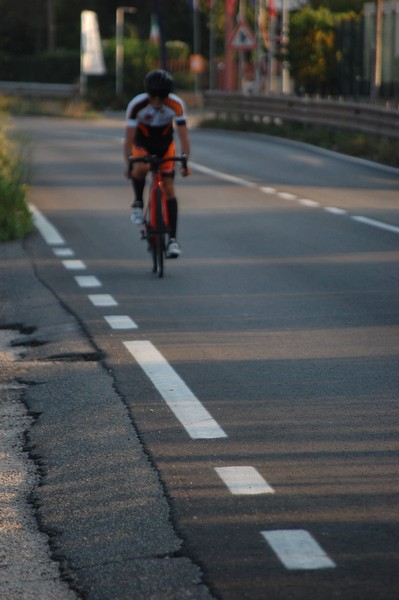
pixel 158 83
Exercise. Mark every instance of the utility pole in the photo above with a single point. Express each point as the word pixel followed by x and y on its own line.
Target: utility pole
pixel 377 79
pixel 120 15
pixel 285 84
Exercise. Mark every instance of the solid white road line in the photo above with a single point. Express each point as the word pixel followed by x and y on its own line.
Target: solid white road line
pixel 244 480
pixel 374 223
pixel 86 281
pixel 268 190
pixel 186 407
pixel 102 300
pixel 223 176
pixel 74 265
pixel 46 229
pixel 297 549
pixel 63 252
pixel 120 322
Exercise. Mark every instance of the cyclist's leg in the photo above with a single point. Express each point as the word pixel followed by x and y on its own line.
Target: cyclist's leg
pixel 139 173
pixel 168 174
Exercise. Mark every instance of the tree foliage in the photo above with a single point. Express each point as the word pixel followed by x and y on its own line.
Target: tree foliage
pixel 312 51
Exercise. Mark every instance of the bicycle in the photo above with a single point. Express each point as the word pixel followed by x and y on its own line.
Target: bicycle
pixel 156 221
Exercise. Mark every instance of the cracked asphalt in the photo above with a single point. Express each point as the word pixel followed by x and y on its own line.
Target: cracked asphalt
pixel 83 513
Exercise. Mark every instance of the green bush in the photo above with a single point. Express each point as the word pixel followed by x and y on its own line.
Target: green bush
pixel 15 218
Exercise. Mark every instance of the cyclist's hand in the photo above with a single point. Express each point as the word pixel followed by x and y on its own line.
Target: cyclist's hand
pixel 185 172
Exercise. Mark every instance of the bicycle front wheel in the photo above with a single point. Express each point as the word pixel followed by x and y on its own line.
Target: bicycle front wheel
pixel 160 233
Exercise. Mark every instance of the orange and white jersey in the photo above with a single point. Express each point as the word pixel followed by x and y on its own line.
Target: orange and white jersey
pixel 154 126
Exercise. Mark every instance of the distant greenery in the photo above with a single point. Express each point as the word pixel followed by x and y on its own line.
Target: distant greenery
pixel 362 145
pixel 15 218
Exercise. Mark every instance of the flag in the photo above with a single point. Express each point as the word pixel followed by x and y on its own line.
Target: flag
pixel 91 54
pixel 155 32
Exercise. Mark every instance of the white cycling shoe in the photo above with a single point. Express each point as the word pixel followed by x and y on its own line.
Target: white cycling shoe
pixel 173 250
pixel 137 215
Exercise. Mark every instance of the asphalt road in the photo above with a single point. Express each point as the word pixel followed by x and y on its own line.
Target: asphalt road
pixel 231 430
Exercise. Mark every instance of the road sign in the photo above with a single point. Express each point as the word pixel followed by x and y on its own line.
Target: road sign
pixel 242 37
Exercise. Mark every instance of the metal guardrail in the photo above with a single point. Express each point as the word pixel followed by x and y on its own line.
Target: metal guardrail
pixel 340 114
pixel 38 90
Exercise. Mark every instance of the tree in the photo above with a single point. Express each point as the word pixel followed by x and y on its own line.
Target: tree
pixel 312 50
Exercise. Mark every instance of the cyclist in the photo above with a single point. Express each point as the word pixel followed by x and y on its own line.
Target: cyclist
pixel 149 130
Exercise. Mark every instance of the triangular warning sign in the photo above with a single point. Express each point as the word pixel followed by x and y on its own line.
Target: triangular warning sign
pixel 242 37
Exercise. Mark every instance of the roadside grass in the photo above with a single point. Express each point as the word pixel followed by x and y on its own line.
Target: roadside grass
pixel 377 148
pixel 15 217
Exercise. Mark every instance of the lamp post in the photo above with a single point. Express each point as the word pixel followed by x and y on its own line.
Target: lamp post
pixel 120 14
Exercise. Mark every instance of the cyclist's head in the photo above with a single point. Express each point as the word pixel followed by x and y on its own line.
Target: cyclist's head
pixel 158 83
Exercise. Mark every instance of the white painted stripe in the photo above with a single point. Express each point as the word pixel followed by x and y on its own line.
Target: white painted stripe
pixel 186 407
pixel 268 190
pixel 46 229
pixel 74 265
pixel 286 196
pixel 310 203
pixel 63 252
pixel 297 549
pixel 102 300
pixel 244 480
pixel 86 281
pixel 223 176
pixel 120 322
pixel 335 211
pixel 374 223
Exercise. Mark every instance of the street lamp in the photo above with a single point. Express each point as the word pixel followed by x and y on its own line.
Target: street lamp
pixel 120 14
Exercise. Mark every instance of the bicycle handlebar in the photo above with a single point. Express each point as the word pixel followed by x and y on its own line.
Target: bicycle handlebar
pixel 155 161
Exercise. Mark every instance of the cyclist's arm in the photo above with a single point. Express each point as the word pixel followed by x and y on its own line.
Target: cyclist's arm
pixel 182 132
pixel 130 133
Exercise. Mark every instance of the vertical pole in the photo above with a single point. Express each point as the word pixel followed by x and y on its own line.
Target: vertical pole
pixel 164 54
pixel 50 26
pixel 258 48
pixel 119 51
pixel 212 49
pixel 285 83
pixel 271 50
pixel 228 51
pixel 376 85
pixel 196 44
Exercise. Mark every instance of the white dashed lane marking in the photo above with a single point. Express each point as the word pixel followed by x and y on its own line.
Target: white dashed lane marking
pixel 244 480
pixel 335 211
pixel 186 407
pixel 87 281
pixel 63 252
pixel 102 300
pixel 74 265
pixel 297 549
pixel 120 322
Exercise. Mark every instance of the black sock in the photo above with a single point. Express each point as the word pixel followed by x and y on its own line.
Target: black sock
pixel 138 187
pixel 172 212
